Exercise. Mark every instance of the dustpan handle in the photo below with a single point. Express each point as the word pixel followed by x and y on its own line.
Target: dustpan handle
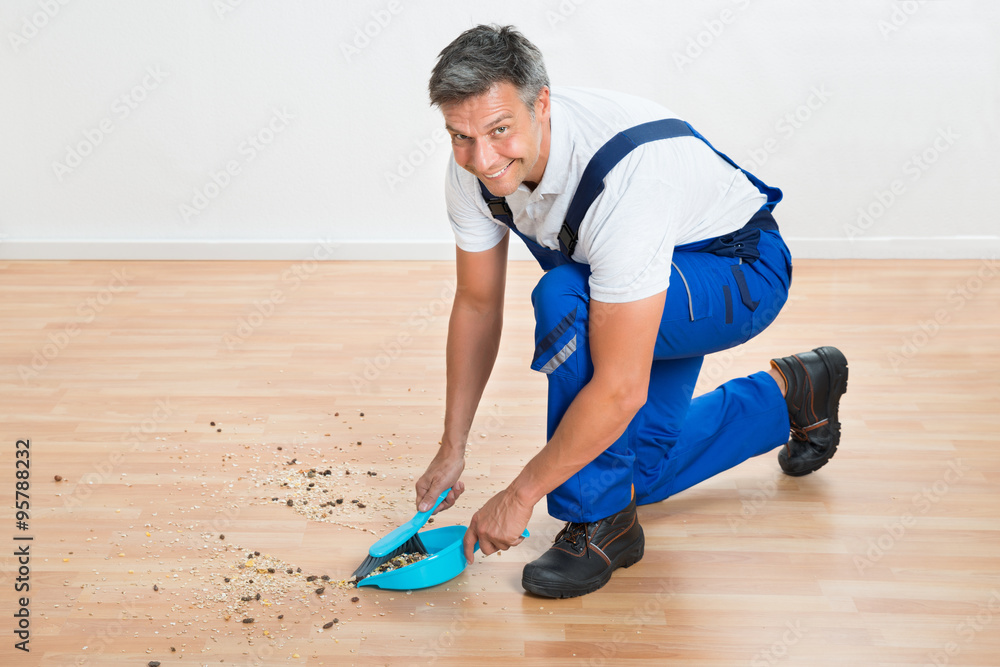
pixel 524 534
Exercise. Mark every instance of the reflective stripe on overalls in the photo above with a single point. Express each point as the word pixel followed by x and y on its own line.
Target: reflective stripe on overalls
pixel 649 454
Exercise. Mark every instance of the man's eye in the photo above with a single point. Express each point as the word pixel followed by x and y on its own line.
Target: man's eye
pixel 500 130
pixel 459 137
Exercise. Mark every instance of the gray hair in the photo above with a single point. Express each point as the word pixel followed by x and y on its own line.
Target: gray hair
pixel 483 56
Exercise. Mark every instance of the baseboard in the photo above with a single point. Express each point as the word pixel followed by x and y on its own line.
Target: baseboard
pixel 965 247
pixel 889 247
pixel 319 249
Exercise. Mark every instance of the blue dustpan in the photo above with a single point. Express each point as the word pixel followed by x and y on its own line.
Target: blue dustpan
pixel 444 562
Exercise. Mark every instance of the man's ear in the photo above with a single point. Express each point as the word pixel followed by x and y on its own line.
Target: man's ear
pixel 543 104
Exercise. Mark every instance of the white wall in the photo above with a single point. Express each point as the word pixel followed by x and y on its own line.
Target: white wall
pixel 351 156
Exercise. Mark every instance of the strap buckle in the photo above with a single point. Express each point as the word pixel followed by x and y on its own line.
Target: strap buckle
pixel 568 238
pixel 498 206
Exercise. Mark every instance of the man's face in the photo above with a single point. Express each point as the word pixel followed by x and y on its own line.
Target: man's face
pixel 494 137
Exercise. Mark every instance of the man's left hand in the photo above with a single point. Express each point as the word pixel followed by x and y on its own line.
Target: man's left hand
pixel 498 525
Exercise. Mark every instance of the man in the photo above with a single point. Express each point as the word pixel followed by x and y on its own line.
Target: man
pixel 657 251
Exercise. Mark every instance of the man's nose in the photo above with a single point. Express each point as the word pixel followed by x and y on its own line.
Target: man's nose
pixel 484 158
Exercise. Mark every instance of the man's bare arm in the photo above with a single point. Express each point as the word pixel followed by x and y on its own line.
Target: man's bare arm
pixel 473 340
pixel 622 338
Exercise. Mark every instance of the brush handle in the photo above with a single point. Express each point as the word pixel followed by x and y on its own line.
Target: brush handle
pixel 397 537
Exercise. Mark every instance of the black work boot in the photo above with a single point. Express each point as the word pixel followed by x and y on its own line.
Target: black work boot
pixel 815 382
pixel 585 554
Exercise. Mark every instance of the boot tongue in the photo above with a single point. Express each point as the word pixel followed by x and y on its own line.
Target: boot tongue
pixel 575 534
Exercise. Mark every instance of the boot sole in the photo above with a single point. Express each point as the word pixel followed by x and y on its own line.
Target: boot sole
pixel 551 589
pixel 836 365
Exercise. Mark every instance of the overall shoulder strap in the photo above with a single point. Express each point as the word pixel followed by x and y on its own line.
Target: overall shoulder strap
pixel 500 210
pixel 611 153
pixel 604 160
pixel 497 205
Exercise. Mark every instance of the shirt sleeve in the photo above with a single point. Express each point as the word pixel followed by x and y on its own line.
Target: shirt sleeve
pixel 475 230
pixel 629 242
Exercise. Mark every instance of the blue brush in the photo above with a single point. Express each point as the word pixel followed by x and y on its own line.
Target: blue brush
pixel 402 540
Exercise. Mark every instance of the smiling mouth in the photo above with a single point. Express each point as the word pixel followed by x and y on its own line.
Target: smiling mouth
pixel 501 172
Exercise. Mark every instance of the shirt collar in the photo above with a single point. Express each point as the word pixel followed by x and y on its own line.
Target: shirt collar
pixel 555 179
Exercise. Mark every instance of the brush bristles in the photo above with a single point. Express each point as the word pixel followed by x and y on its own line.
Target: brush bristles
pixel 414 545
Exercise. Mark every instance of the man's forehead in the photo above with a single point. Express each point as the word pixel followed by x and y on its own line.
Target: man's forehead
pixel 500 102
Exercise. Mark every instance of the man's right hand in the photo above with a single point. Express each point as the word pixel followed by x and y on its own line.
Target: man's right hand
pixel 443 472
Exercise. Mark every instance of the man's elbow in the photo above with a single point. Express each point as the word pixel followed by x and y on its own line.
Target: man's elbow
pixel 625 399
pixel 632 403
pixel 489 309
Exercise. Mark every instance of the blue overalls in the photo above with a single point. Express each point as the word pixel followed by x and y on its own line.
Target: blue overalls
pixel 673 442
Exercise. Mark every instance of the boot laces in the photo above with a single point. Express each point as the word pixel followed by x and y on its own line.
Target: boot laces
pixel 571 534
pixel 799 433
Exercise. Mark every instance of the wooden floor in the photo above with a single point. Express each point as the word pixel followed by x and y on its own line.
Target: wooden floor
pixel 115 371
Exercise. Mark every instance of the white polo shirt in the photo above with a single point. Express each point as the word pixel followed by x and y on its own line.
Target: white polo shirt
pixel 662 194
